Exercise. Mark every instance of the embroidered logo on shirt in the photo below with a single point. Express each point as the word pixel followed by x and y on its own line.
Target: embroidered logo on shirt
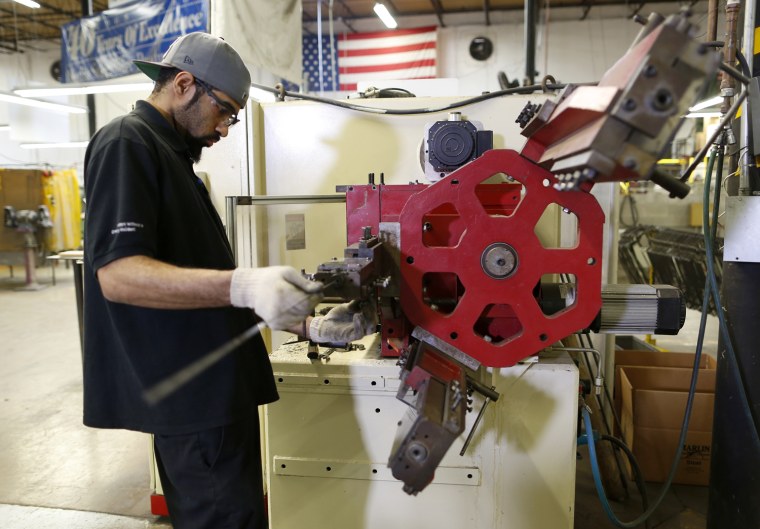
pixel 126 227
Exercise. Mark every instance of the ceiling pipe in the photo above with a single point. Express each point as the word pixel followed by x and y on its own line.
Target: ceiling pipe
pixel 438 11
pixel 712 20
pixel 332 46
pixel 91 121
pixel 530 41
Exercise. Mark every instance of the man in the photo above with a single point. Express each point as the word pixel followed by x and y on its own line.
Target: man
pixel 161 291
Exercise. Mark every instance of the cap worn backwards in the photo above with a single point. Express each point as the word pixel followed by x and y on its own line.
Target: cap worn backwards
pixel 209 59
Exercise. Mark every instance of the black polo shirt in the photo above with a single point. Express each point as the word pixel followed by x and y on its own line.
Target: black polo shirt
pixel 143 198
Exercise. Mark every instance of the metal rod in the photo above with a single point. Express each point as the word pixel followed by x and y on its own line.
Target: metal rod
pixel 474 426
pixel 712 19
pixel 736 74
pixel 231 215
pixel 169 385
pixel 486 391
pixel 530 40
pixel 332 47
pixel 595 352
pixel 92 126
pixel 172 383
pixel 285 199
pixel 745 127
pixel 319 47
pixel 718 130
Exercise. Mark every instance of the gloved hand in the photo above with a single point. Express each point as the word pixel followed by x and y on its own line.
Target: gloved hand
pixel 280 295
pixel 344 323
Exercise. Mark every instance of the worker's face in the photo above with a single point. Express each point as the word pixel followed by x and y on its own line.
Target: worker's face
pixel 206 118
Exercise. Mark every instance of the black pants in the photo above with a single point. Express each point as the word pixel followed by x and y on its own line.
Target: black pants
pixel 212 479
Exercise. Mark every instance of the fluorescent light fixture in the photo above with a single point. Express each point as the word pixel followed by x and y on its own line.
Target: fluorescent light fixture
pixel 59 145
pixel 112 88
pixel 79 89
pixel 5 127
pixel 382 12
pixel 703 115
pixel 56 107
pixel 28 3
pixel 707 103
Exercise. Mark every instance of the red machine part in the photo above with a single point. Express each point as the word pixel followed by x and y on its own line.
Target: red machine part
pixel 471 268
pixel 617 129
pixel 447 229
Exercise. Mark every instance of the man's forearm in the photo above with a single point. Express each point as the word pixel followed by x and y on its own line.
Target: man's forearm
pixel 147 282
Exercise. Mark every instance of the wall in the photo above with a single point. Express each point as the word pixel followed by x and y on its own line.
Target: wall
pixel 32 68
pixel 571 49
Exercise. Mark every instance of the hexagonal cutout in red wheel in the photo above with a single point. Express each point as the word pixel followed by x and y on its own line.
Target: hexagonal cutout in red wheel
pixel 442 227
pixel 557 228
pixel 556 293
pixel 442 291
pixel 500 195
pixel 498 323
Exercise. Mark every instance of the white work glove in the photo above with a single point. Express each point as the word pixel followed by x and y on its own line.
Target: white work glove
pixel 279 295
pixel 344 323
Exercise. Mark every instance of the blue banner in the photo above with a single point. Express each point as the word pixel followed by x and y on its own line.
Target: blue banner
pixel 103 46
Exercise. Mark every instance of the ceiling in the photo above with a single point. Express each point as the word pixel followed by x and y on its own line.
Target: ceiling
pixel 21 27
pixel 348 10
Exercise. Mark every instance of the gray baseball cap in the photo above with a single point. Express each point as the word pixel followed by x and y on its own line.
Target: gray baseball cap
pixel 209 59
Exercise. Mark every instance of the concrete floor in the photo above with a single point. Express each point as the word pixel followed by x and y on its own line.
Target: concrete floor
pixel 57 473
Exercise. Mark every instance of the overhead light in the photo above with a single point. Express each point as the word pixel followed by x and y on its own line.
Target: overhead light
pixel 28 3
pixel 56 107
pixel 113 88
pixel 382 12
pixel 79 89
pixel 5 127
pixel 58 145
pixel 105 88
pixel 703 115
pixel 707 103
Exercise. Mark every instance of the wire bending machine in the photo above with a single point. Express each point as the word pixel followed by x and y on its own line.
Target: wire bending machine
pixel 466 289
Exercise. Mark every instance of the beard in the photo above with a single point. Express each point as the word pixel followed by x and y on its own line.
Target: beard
pixel 195 147
pixel 191 121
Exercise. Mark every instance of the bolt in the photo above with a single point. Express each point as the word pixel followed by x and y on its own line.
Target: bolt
pixel 663 100
pixel 629 105
pixel 650 70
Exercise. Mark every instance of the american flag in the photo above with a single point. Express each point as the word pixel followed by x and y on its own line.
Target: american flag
pixel 380 55
pixel 311 77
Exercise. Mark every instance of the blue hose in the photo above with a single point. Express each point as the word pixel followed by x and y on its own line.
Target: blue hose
pixel 595 469
pixel 687 413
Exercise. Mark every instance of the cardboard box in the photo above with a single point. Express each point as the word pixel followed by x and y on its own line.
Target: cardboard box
pixel 643 357
pixel 631 357
pixel 653 405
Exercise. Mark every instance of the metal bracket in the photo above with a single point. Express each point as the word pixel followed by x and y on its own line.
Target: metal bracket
pixel 461 357
pixel 366 470
pixel 742 218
